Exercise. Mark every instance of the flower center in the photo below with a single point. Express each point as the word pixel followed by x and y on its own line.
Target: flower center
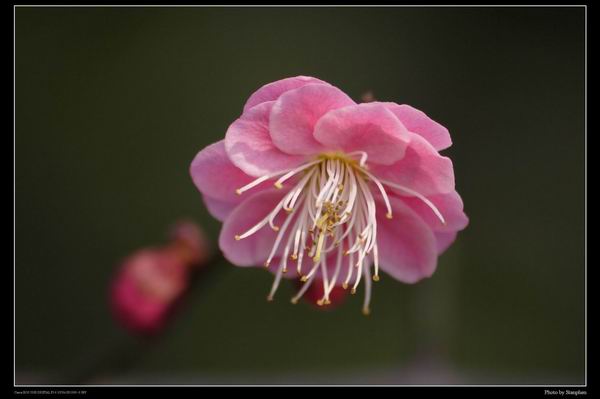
pixel 331 217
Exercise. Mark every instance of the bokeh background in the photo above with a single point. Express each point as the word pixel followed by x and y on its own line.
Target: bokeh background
pixel 112 104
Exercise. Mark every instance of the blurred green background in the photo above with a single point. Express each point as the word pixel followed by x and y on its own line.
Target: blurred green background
pixel 112 104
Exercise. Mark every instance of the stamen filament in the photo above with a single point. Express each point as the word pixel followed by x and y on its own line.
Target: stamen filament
pixel 302 290
pixel 427 202
pixel 383 193
pixel 279 183
pixel 366 310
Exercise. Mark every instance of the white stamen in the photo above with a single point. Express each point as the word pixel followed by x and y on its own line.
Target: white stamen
pixel 376 263
pixel 350 268
pixel 383 193
pixel 301 250
pixel 275 283
pixel 366 310
pixel 338 267
pixel 256 182
pixel 325 279
pixel 358 275
pixel 298 190
pixel 363 156
pixel 419 196
pixel 302 290
pixel 312 271
pixel 279 183
pixel 280 235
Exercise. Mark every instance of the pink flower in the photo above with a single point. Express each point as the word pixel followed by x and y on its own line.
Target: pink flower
pixel 151 280
pixel 307 176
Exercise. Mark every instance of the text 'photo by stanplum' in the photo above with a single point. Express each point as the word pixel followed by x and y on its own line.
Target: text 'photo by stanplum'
pixel 312 185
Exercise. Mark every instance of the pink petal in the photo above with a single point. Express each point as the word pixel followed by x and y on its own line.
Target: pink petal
pixel 296 113
pixel 253 250
pixel 249 145
pixel 272 91
pixel 367 127
pixel 217 177
pixel 422 169
pixel 217 208
pixel 450 206
pixel 444 240
pixel 407 246
pixel 418 122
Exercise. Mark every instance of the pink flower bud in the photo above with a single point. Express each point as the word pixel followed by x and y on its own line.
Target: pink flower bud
pixel 150 281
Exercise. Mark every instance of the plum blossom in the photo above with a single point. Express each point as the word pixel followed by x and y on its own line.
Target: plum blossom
pixel 307 179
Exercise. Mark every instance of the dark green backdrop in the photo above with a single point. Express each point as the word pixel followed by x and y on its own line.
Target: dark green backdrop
pixel 112 104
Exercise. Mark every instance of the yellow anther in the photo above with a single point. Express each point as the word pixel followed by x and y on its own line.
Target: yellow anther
pixel 294 301
pixel 238 191
pixel 293 257
pixel 353 291
pixel 366 311
pixel 267 263
pixel 304 279
pixel 327 302
pixel 278 185
pixel 237 237
pixel 345 286
pixel 320 302
pixel 269 298
pixel 276 228
pixel 376 277
pixel 388 215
